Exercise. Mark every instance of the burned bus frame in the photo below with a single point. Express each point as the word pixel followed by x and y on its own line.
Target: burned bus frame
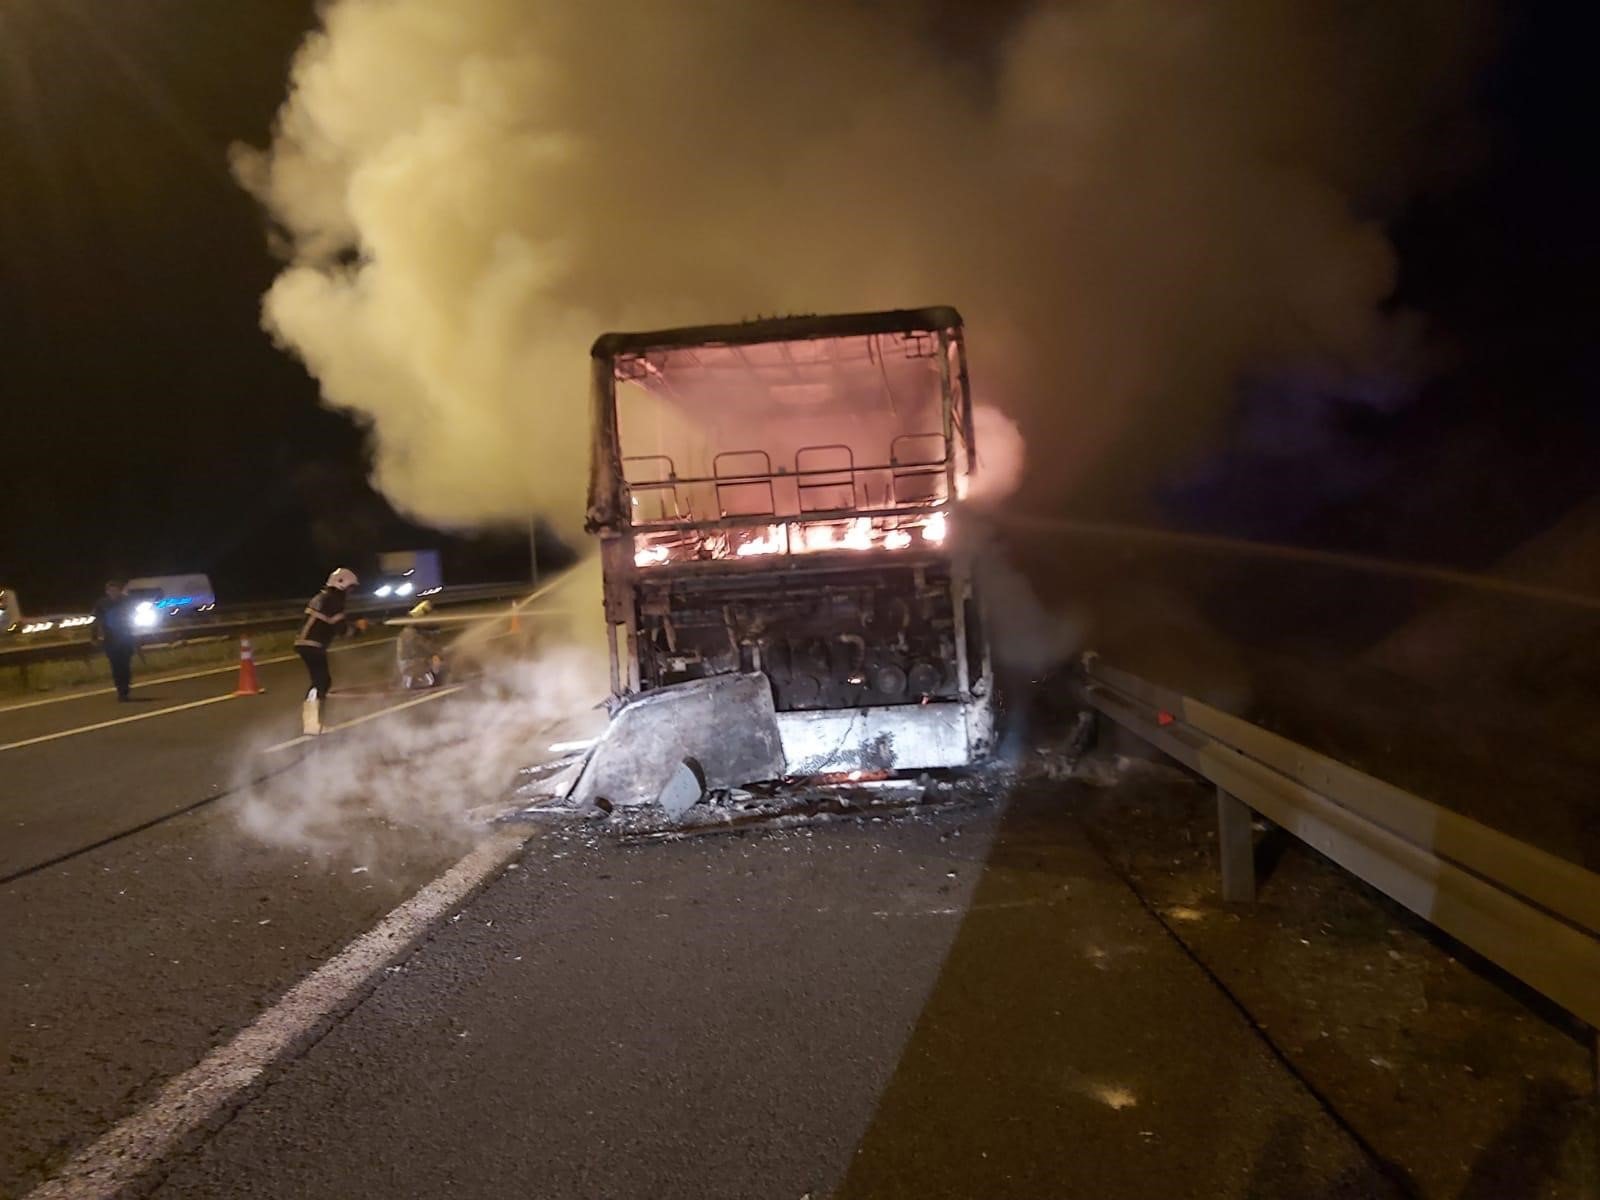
pixel 848 593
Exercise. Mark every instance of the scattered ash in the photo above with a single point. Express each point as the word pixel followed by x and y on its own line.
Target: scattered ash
pixel 1062 750
pixel 786 804
pixel 541 797
pixel 541 794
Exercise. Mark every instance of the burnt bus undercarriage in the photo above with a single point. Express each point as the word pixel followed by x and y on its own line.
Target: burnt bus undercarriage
pixel 773 498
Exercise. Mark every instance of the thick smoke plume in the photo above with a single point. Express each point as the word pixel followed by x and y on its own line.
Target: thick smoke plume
pixel 1131 200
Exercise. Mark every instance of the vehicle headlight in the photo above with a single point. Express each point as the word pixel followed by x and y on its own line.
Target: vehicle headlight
pixel 145 615
pixel 383 591
pixel 405 589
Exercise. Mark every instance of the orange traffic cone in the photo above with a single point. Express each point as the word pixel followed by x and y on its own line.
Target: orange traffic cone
pixel 516 624
pixel 249 685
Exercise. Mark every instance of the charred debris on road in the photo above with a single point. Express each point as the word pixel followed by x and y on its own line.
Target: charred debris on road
pixel 637 783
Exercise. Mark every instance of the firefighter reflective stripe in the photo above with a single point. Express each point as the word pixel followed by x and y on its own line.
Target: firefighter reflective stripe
pixel 320 625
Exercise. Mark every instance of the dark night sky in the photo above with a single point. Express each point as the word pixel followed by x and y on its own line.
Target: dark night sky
pixel 1501 437
pixel 151 426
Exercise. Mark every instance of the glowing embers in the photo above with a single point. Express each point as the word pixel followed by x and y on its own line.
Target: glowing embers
pixel 856 534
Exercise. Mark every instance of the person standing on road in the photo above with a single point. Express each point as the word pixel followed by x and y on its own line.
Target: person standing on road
pixel 112 630
pixel 325 620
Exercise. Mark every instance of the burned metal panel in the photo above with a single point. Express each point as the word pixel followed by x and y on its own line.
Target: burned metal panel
pixel 952 418
pixel 980 716
pixel 725 724
pixel 961 396
pixel 780 329
pixel 905 737
pixel 606 487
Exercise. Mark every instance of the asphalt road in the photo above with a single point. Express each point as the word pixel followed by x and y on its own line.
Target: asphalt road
pixel 120 966
pixel 108 766
pixel 961 1005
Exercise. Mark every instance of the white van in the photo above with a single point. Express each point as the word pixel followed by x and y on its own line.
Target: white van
pixel 159 598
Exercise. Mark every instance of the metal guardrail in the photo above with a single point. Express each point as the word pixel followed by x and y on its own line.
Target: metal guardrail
pixel 252 619
pixel 1534 915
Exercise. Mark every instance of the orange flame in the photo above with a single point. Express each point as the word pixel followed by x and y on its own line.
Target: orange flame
pixel 858 535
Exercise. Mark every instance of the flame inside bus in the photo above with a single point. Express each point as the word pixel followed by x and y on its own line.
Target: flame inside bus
pixel 799 537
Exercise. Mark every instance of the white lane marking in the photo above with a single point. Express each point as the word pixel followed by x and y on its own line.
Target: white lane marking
pixel 159 680
pixel 372 716
pixel 568 747
pixel 189 1101
pixel 144 716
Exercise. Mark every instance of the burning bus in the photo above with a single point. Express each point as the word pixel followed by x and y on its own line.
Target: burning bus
pixel 774 499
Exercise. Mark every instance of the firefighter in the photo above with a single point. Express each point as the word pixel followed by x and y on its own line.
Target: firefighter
pixel 325 620
pixel 419 653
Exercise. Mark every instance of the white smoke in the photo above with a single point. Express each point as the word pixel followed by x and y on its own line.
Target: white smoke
pixel 1143 198
pixel 375 794
pixel 1002 455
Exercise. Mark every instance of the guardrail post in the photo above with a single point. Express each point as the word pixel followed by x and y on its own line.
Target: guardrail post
pixel 1535 915
pixel 1236 846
